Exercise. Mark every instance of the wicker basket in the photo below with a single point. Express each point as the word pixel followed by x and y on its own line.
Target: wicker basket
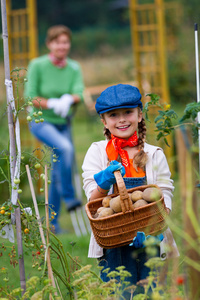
pixel 119 229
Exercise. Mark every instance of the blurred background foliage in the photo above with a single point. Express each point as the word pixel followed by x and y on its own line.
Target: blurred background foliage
pixel 101 42
pixel 102 27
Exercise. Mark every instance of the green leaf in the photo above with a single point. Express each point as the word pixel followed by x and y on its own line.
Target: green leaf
pixel 162 113
pixel 159 124
pixel 157 118
pixel 165 140
pixel 159 136
pixel 154 98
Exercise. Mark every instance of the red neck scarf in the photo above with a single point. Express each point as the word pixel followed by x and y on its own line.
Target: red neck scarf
pixel 60 63
pixel 114 148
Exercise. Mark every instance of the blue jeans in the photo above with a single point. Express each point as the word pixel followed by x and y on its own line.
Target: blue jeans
pixel 132 259
pixel 58 138
pixel 134 182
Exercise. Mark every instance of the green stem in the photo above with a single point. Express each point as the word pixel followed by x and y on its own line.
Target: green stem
pixel 62 252
pixel 93 273
pixel 63 281
pixel 61 261
pixel 192 263
pixel 184 235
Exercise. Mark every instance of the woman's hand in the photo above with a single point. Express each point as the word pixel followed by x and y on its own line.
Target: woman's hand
pixel 61 105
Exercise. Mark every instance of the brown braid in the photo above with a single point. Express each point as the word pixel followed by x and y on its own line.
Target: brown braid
pixel 140 159
pixel 107 133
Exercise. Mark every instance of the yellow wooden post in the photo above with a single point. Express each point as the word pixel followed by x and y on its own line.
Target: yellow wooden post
pixel 135 40
pixel 164 72
pixel 32 28
pixel 22 29
pixel 23 46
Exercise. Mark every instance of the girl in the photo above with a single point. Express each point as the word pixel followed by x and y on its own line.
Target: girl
pixel 124 149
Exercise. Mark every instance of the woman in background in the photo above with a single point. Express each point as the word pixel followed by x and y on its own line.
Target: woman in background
pixel 55 84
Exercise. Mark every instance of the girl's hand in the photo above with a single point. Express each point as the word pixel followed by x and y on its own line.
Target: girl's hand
pixel 106 178
pixel 168 211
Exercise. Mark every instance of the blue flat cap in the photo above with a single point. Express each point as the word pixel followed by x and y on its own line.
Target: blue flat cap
pixel 118 96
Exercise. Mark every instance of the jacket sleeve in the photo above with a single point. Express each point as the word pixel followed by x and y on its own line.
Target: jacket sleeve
pixel 162 176
pixel 92 164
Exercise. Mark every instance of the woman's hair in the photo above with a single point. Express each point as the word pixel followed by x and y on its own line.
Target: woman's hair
pixel 140 159
pixel 55 31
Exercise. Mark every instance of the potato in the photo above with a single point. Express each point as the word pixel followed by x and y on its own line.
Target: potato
pixel 105 212
pixel 96 215
pixel 115 204
pixel 139 203
pixel 100 209
pixel 151 194
pixel 136 195
pixel 106 201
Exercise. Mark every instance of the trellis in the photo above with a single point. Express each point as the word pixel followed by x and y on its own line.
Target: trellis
pixel 22 28
pixel 148 32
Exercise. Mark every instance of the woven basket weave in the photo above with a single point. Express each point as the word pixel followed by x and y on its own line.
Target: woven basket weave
pixel 119 229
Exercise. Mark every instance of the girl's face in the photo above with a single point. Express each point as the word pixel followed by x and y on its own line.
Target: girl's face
pixel 122 122
pixel 60 46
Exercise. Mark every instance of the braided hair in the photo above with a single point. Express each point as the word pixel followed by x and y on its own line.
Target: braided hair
pixel 140 159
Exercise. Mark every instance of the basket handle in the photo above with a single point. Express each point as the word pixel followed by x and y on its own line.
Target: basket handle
pixel 125 200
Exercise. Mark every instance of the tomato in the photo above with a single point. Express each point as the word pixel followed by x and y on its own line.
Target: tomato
pixel 26 230
pixel 16 180
pixel 29 119
pixel 180 280
pixel 37 166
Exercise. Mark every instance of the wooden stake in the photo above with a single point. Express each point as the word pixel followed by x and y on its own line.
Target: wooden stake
pixel 50 272
pixel 36 206
pixel 11 128
pixel 189 200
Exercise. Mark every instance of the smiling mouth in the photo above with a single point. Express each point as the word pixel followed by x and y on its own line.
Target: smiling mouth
pixel 123 127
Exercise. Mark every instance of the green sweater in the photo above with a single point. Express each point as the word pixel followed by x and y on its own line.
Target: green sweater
pixel 48 81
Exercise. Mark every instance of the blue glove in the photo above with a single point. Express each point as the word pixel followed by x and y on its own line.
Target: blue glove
pixel 106 178
pixel 140 238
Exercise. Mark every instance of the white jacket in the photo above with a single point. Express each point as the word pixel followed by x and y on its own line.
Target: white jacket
pixel 157 172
